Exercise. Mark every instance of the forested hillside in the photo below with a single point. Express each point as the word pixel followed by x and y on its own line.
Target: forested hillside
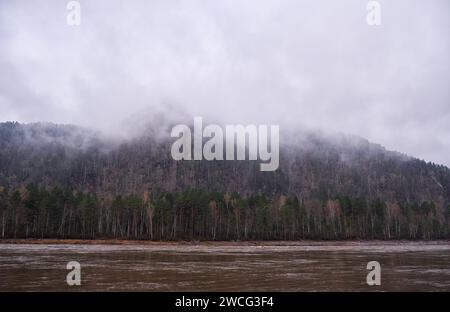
pixel 65 181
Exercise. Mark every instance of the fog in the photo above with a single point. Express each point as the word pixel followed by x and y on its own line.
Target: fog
pixel 314 64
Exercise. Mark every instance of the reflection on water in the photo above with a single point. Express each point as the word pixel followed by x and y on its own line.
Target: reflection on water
pixel 305 266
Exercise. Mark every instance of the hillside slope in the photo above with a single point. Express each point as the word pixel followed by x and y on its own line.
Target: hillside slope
pixel 332 174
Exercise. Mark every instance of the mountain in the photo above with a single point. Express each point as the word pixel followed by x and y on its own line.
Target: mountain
pixel 326 186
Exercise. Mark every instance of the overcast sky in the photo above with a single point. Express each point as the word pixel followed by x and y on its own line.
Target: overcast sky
pixel 296 63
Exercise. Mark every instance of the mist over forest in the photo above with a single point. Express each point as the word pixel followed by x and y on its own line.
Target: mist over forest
pixel 70 182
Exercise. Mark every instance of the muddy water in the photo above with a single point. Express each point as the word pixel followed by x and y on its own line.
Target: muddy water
pixel 182 267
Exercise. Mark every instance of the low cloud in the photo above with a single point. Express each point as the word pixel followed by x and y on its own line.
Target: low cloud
pixel 295 63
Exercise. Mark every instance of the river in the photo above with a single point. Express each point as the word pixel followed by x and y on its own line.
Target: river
pixel 301 266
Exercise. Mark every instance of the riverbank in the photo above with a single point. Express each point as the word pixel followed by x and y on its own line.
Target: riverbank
pixel 213 243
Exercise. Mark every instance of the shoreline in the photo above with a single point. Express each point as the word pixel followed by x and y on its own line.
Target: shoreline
pixel 50 241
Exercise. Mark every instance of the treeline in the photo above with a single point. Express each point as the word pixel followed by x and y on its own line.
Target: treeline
pixel 199 214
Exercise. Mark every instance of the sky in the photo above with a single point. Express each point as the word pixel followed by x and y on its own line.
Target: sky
pixel 315 64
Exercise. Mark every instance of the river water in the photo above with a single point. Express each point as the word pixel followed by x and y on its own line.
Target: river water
pixel 305 266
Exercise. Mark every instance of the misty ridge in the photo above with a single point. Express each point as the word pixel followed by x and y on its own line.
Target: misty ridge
pixel 66 181
pixel 311 162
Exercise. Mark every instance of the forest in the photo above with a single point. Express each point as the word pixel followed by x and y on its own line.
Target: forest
pixel 197 214
pixel 59 181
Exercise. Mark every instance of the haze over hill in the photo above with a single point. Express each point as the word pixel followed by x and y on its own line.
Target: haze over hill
pixel 327 186
pixel 311 163
pixel 314 63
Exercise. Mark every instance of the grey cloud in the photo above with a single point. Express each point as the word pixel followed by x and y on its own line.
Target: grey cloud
pixel 297 63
